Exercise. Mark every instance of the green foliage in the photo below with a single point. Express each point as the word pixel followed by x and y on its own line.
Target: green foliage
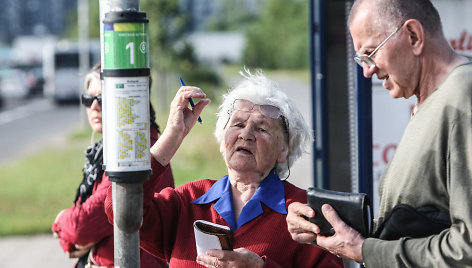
pixel 279 39
pixel 199 156
pixel 168 50
pixel 72 29
pixel 166 28
pixel 232 16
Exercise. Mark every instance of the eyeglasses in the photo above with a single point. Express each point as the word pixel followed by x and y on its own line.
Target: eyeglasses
pixel 87 99
pixel 247 106
pixel 267 110
pixel 367 59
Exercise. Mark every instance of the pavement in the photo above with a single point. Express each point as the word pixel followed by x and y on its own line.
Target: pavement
pixel 39 251
pixel 43 251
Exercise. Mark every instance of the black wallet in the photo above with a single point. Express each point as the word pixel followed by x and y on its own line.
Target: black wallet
pixel 355 209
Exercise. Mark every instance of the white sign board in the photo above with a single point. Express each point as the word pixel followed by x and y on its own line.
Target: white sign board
pixel 128 135
pixel 390 116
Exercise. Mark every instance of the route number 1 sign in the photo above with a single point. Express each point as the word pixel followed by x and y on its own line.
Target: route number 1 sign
pixel 126 46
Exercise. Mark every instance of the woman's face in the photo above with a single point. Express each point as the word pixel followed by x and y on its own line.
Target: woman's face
pixel 253 143
pixel 94 112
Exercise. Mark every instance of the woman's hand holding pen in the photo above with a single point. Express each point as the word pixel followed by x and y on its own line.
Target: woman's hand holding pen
pixel 181 120
pixel 182 117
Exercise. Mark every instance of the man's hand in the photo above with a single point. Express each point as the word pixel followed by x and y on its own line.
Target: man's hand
pixel 240 257
pixel 346 242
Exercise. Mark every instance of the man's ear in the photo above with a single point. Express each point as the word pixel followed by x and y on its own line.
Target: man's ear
pixel 416 35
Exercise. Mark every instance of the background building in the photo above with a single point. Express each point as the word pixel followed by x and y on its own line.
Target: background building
pixel 34 17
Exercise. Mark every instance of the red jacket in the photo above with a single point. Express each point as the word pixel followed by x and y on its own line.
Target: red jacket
pixel 85 223
pixel 167 229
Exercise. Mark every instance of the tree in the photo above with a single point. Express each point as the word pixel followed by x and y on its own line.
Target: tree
pixel 279 39
pixel 72 29
pixel 166 28
pixel 233 15
pixel 169 51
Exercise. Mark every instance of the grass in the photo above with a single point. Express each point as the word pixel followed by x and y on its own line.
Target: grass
pixel 34 189
pixel 199 156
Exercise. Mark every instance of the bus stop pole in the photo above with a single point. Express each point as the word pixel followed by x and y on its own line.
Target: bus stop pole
pixel 126 186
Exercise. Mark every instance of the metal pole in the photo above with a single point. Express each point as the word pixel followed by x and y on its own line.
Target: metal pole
pixel 360 121
pixel 319 96
pixel 360 125
pixel 84 51
pixel 126 179
pixel 364 130
pixel 128 212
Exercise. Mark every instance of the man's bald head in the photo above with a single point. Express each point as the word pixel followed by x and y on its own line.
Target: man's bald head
pixel 384 15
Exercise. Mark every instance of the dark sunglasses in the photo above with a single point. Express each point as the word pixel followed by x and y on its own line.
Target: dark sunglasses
pixel 88 99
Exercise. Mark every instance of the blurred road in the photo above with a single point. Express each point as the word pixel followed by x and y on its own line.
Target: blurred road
pixel 29 125
pixel 40 123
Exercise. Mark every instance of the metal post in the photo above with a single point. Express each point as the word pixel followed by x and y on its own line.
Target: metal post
pixel 84 51
pixel 319 96
pixel 360 125
pixel 364 130
pixel 128 212
pixel 125 68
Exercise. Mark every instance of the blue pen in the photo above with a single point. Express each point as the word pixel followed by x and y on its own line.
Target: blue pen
pixel 189 99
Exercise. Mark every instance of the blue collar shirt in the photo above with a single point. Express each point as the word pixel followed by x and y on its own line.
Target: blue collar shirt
pixel 270 192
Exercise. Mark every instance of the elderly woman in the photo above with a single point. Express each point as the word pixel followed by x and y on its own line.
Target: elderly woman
pixel 261 133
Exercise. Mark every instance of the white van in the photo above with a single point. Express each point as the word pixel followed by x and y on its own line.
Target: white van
pixel 63 81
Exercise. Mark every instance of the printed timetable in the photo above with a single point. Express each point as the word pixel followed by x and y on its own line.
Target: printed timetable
pixel 129 138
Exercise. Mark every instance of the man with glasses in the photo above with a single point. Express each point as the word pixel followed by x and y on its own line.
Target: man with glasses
pixel 401 41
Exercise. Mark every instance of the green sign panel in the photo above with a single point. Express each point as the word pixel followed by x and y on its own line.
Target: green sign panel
pixel 126 46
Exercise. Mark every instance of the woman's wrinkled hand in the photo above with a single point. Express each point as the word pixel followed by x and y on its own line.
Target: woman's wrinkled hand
pixel 240 257
pixel 182 117
pixel 181 120
pixel 79 251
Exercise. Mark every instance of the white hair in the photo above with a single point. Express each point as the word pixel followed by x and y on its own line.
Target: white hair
pixel 259 89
